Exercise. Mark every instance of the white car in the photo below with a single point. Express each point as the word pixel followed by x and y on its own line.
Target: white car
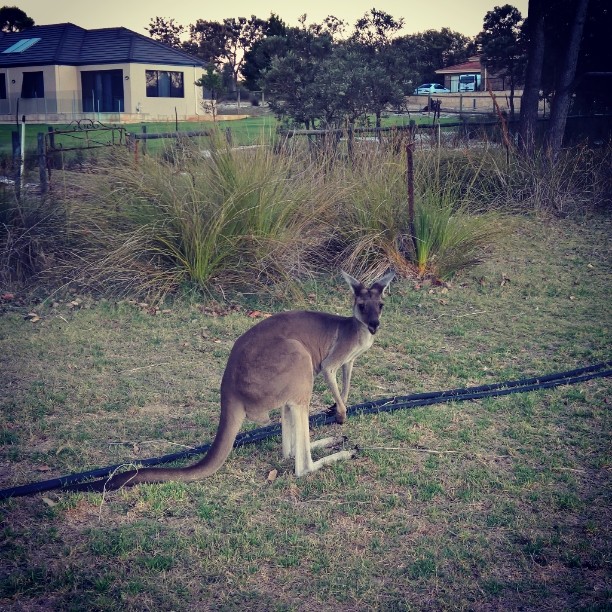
pixel 431 88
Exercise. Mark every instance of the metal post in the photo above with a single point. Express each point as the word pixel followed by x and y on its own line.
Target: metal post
pixel 22 165
pixel 17 165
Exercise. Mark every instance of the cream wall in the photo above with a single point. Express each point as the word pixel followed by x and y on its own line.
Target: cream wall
pixel 188 106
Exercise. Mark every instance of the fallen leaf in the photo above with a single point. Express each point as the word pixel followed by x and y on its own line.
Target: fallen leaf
pixel 7 297
pixel 272 475
pixel 43 468
pixel 49 502
pixel 32 316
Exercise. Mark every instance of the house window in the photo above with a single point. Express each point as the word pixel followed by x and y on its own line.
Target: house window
pixel 164 84
pixel 2 86
pixel 33 85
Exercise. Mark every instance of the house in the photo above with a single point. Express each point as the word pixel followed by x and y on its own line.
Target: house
pixel 470 76
pixel 62 72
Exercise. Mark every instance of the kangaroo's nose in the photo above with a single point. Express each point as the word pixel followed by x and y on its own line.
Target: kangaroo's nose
pixel 373 326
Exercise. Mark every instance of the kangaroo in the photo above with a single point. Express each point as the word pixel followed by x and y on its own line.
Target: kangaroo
pixel 273 365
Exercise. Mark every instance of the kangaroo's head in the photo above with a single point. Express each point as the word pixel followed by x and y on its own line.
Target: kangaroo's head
pixel 368 302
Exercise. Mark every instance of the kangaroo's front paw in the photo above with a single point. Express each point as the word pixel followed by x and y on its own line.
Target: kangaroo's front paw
pixel 340 414
pixel 331 410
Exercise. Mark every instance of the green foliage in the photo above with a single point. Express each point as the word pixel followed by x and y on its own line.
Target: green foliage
pixel 13 19
pixel 504 47
pixel 448 238
pixel 231 216
pixel 31 232
pixel 314 79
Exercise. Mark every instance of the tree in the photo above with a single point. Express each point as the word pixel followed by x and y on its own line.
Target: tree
pixel 259 57
pixel 380 84
pixel 207 41
pixel 376 29
pixel 563 90
pixel 503 46
pixel 13 19
pixel 290 81
pixel 425 52
pixel 227 42
pixel 568 54
pixel 212 82
pixel 534 31
pixel 166 31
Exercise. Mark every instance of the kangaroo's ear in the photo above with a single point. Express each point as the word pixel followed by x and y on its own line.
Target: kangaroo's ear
pixel 354 284
pixel 383 283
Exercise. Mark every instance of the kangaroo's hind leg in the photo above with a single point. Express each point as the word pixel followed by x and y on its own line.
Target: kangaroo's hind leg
pixel 303 458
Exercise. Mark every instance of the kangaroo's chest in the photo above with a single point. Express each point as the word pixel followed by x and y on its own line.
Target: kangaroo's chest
pixel 347 349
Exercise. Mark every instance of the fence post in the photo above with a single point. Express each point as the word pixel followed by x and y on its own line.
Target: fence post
pixel 410 187
pixel 42 165
pixel 144 141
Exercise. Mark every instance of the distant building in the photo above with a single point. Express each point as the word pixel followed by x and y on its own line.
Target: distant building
pixel 470 76
pixel 62 72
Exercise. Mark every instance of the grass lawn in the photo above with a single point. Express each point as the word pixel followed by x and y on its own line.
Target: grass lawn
pixel 499 504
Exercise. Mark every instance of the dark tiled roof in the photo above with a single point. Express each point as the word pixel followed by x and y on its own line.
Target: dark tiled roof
pixel 71 45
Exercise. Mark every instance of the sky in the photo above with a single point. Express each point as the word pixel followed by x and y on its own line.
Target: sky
pixel 463 16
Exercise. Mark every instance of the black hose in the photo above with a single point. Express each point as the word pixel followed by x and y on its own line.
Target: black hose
pixel 571 377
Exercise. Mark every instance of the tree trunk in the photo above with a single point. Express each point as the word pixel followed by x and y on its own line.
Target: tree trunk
pixel 563 88
pixel 533 77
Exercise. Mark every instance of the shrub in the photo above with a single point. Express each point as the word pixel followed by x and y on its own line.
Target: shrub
pixel 375 225
pixel 235 217
pixel 30 235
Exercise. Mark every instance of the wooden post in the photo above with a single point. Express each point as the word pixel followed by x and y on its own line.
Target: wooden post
pixel 42 165
pixel 144 142
pixel 410 186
